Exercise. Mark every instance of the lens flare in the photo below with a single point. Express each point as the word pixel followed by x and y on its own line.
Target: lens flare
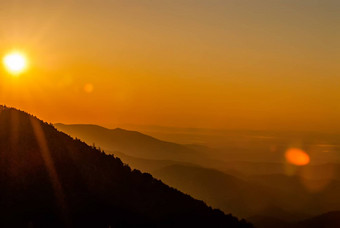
pixel 88 88
pixel 297 157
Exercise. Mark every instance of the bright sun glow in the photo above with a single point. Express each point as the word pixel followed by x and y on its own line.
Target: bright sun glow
pixel 15 63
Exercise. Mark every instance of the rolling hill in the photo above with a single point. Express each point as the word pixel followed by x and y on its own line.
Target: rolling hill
pixel 272 197
pixel 49 179
pixel 145 152
pixel 329 220
pixel 218 189
pixel 131 143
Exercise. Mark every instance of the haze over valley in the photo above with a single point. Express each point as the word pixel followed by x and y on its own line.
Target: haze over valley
pixel 265 185
pixel 170 113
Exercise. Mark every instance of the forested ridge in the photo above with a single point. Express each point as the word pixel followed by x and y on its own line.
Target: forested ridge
pixel 48 179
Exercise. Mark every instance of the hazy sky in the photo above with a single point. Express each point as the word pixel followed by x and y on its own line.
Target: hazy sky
pixel 254 64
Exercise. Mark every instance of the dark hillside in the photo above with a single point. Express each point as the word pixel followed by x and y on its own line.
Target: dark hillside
pixel 48 179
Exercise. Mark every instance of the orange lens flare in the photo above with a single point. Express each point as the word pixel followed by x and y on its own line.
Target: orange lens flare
pixel 297 157
pixel 88 88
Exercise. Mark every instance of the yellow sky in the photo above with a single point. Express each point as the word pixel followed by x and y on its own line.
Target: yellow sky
pixel 254 64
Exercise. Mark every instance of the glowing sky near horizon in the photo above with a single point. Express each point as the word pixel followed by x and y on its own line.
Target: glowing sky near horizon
pixel 251 64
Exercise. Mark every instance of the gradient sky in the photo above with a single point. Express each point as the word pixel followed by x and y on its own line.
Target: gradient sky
pixel 250 64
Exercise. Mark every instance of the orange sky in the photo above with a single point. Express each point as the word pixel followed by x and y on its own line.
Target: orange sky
pixel 251 64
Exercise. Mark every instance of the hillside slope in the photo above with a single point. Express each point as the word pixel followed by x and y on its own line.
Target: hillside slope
pixel 48 179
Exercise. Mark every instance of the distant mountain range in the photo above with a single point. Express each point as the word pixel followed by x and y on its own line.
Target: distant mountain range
pixel 261 191
pixel 132 143
pixel 221 190
pixel 48 179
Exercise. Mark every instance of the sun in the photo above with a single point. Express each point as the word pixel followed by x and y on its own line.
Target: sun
pixel 15 62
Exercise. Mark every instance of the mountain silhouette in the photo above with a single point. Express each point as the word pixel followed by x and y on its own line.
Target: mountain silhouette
pixel 329 220
pixel 272 197
pixel 131 143
pixel 218 189
pixel 262 192
pixel 48 179
pixel 143 151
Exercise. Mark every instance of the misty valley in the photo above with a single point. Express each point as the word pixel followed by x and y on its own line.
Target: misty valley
pixel 240 172
pixel 169 114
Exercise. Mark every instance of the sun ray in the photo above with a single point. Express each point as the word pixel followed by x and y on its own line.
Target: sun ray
pixel 45 152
